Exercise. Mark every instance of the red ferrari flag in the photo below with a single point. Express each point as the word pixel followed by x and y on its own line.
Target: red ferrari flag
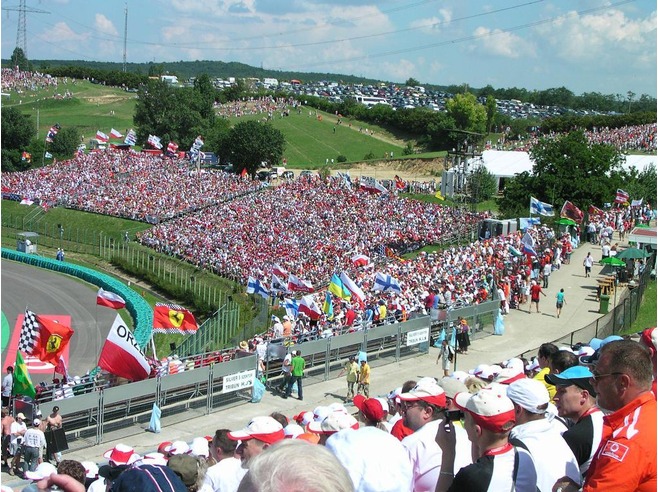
pixel 592 210
pixel 109 299
pixel 53 339
pixel 570 211
pixel 171 318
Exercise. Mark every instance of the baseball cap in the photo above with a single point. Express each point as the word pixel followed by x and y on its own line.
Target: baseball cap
pixel 91 469
pixel 578 375
pixel 515 363
pixel 320 413
pixel 177 447
pixel 530 394
pixel 373 409
pixel 508 375
pixel 121 454
pixel 186 467
pixel 44 470
pixel 149 478
pixel 489 409
pixel 534 364
pixel 335 422
pixel 20 415
pixel 303 418
pixel 452 386
pixel 36 423
pixel 264 429
pixel 427 390
pixel 199 447
pixel 154 459
pixel 293 430
pixel 649 337
pixel 597 343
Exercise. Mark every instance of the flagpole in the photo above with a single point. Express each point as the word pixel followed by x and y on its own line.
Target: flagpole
pixel 153 347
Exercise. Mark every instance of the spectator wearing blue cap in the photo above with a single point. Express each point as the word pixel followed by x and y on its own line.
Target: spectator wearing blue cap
pixel 575 399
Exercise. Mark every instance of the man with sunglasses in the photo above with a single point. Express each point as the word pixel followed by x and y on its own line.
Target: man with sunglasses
pixel 626 457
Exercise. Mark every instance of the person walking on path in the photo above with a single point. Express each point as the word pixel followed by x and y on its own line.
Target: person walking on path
pixel 444 352
pixel 546 273
pixel 560 301
pixel 587 263
pixel 535 290
pixel 352 370
pixel 298 365
pixel 364 379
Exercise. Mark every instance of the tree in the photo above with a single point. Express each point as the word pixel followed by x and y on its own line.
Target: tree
pixel 482 184
pixel 17 132
pixel 65 142
pixel 18 59
pixel 469 115
pixel 492 111
pixel 568 168
pixel 411 82
pixel 251 142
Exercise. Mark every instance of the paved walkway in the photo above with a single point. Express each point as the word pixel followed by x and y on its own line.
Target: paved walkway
pixel 523 332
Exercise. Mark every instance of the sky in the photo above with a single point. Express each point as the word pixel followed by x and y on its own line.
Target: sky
pixel 605 46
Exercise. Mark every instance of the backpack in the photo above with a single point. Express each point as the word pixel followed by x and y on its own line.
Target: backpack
pixel 451 353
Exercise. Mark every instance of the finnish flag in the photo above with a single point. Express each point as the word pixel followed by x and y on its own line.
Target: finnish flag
pixel 255 287
pixel 541 208
pixel 386 282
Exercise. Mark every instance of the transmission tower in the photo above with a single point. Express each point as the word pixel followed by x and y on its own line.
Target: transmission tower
pixel 21 34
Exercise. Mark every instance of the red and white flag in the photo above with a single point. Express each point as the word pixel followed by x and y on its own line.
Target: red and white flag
pixel 360 260
pixel 115 133
pixel 101 137
pixel 622 196
pixel 172 147
pixel 60 368
pixel 121 355
pixel 296 284
pixel 279 270
pixel 308 306
pixel 110 299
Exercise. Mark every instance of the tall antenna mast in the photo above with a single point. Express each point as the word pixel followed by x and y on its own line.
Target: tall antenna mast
pixel 21 34
pixel 125 37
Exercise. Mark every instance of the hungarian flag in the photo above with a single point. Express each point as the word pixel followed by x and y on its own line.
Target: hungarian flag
pixel 592 210
pixel 171 318
pixel 360 260
pixel 622 196
pixel 121 355
pixel 570 211
pixel 22 381
pixel 115 133
pixel 101 137
pixel 53 339
pixel 109 299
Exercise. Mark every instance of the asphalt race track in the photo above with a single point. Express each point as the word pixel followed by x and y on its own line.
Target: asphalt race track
pixel 47 293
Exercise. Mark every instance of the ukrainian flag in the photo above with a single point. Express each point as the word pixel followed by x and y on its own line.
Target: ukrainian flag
pixel 337 288
pixel 328 306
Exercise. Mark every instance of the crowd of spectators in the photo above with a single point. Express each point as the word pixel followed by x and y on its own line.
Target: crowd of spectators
pixel 24 81
pixel 555 415
pixel 640 138
pixel 127 184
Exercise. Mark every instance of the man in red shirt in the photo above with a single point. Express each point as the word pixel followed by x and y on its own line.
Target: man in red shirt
pixel 535 290
pixel 626 458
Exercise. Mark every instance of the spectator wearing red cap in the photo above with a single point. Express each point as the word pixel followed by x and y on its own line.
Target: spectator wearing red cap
pixel 533 431
pixel 626 457
pixel 423 407
pixel 649 339
pixel 575 399
pixel 256 437
pixel 373 411
pixel 226 473
pixel 488 419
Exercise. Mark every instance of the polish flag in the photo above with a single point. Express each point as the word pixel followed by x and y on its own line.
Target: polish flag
pixel 360 260
pixel 121 355
pixel 356 291
pixel 101 137
pixel 308 306
pixel 115 133
pixel 279 270
pixel 109 299
pixel 296 284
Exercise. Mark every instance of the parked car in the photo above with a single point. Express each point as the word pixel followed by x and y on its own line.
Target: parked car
pixel 288 175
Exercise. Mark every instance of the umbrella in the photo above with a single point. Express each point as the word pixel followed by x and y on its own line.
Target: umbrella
pixel 632 253
pixel 613 261
pixel 565 221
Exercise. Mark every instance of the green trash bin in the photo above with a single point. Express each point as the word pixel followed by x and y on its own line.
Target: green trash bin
pixel 604 303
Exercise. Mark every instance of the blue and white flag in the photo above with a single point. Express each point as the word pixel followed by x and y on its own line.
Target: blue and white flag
pixel 386 282
pixel 541 208
pixel 131 138
pixel 255 287
pixel 48 155
pixel 292 307
pixel 528 244
pixel 527 222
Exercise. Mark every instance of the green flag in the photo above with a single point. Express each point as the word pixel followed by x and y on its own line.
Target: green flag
pixel 22 382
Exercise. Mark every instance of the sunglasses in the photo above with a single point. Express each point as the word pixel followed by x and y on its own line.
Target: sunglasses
pixel 597 377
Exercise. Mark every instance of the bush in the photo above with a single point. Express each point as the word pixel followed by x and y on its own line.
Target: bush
pixel 408 149
pixel 341 158
pixel 369 156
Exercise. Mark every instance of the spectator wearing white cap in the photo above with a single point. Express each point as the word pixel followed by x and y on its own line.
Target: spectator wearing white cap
pixel 34 442
pixel 17 430
pixel 488 419
pixel 276 470
pixel 575 399
pixel 422 410
pixel 225 475
pixel 257 436
pixel 375 460
pixel 533 431
pixel 334 422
